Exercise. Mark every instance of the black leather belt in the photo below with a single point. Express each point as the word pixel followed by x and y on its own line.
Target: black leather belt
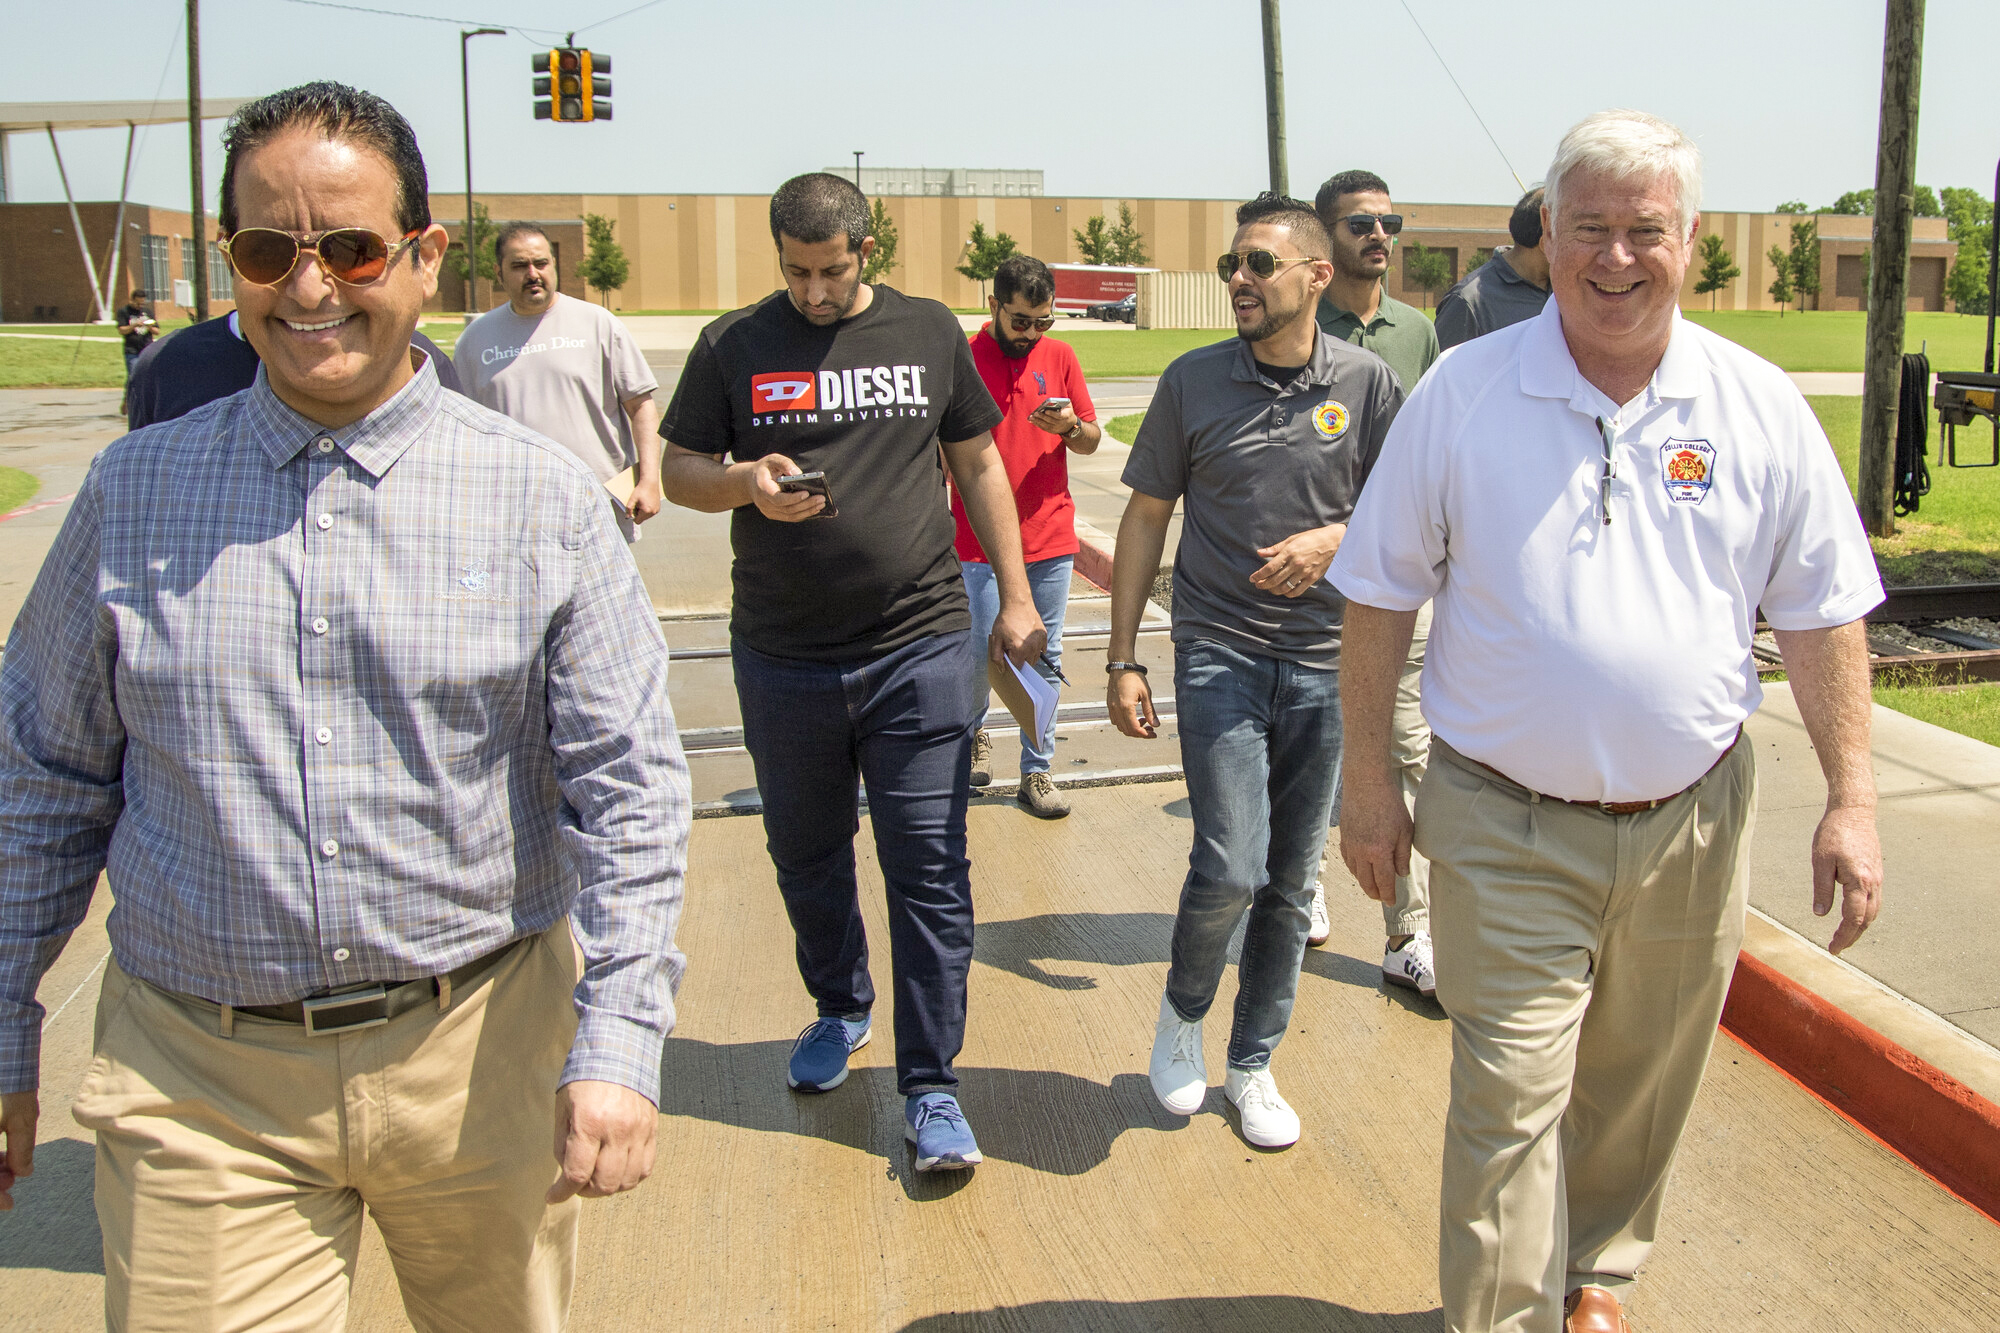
pixel 370 1004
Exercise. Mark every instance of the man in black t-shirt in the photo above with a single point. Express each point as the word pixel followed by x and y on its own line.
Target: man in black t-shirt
pixel 139 327
pixel 850 631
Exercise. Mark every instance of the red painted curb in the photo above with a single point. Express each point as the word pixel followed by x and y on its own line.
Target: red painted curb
pixel 1093 555
pixel 1944 1128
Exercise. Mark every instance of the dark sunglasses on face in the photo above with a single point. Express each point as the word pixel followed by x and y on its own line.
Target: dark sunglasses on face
pixel 1363 224
pixel 1022 323
pixel 356 256
pixel 1261 263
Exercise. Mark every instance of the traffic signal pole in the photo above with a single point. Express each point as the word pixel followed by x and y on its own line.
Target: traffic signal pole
pixel 465 99
pixel 1889 261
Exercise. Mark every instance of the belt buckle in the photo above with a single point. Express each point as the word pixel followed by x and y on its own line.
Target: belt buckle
pixel 349 1011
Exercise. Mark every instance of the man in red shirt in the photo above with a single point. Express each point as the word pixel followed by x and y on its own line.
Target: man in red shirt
pixel 1030 377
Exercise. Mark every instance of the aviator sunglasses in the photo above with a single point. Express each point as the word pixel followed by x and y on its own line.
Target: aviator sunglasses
pixel 356 256
pixel 1022 323
pixel 1262 263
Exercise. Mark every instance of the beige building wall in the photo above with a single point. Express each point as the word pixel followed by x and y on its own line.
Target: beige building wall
pixel 714 252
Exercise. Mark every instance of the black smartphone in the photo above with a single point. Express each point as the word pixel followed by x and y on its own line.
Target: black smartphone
pixel 810 483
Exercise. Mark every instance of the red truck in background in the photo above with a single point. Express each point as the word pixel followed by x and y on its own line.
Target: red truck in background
pixel 1081 286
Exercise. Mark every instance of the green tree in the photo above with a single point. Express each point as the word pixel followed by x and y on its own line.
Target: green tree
pixel 1781 280
pixel 1428 270
pixel 1093 240
pixel 1125 243
pixel 1927 203
pixel 1853 204
pixel 1478 259
pixel 605 266
pixel 1792 206
pixel 983 255
pixel 1968 219
pixel 1718 268
pixel 1803 261
pixel 883 257
pixel 480 244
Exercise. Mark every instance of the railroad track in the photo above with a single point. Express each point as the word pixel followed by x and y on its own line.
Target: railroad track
pixel 1937 614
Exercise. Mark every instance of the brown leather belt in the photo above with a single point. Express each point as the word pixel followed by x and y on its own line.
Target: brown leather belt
pixel 371 1004
pixel 1616 807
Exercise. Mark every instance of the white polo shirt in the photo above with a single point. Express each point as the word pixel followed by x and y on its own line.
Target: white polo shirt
pixel 1588 661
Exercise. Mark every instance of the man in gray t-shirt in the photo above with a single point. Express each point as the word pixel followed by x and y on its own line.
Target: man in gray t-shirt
pixel 567 369
pixel 1264 441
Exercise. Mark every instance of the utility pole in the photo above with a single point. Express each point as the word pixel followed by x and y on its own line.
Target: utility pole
pixel 198 212
pixel 1889 261
pixel 465 100
pixel 857 168
pixel 1274 97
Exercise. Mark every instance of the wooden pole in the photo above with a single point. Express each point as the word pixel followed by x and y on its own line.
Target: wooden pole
pixel 1889 261
pixel 198 221
pixel 1274 97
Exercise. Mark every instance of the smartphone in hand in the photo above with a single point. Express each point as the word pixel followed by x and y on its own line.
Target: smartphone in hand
pixel 810 483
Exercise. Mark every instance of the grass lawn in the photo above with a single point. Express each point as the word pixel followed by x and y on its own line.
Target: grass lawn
pixel 1969 710
pixel 74 363
pixel 85 330
pixel 1107 355
pixel 1835 339
pixel 1954 536
pixel 1124 429
pixel 16 488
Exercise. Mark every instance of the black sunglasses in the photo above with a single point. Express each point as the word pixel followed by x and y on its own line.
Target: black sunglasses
pixel 1261 263
pixel 1362 224
pixel 1022 323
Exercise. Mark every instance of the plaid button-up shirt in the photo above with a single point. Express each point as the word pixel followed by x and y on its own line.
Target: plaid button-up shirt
pixel 342 706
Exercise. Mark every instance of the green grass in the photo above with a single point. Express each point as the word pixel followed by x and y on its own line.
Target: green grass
pixel 1107 355
pixel 1835 339
pixel 85 330
pixel 74 363
pixel 1955 534
pixel 1124 429
pixel 1969 710
pixel 16 488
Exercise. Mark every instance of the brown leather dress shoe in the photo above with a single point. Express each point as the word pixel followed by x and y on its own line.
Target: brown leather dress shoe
pixel 1593 1310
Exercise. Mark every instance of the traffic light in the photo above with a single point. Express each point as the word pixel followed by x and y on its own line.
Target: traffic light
pixel 572 84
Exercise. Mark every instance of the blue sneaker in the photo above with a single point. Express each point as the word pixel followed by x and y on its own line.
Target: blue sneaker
pixel 933 1122
pixel 819 1056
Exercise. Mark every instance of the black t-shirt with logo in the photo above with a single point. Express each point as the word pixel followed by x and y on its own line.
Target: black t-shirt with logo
pixel 865 401
pixel 136 340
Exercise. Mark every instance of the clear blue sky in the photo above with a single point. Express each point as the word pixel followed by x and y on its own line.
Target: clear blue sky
pixel 1109 97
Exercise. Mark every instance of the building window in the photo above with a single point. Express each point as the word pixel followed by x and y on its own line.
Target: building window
pixel 221 281
pixel 187 258
pixel 153 274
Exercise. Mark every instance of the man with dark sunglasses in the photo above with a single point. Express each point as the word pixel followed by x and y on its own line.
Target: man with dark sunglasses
pixel 1264 442
pixel 1038 386
pixel 351 690
pixel 1356 209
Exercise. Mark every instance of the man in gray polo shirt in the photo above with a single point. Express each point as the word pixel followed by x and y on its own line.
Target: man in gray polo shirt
pixel 1265 440
pixel 1511 286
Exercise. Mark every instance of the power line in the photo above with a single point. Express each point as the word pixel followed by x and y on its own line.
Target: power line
pixel 426 18
pixel 615 17
pixel 1461 92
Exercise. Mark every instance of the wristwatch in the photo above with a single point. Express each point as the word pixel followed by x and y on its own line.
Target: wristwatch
pixel 1073 431
pixel 1139 667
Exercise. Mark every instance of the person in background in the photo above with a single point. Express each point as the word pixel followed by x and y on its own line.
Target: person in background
pixel 1024 370
pixel 1511 286
pixel 567 369
pixel 138 327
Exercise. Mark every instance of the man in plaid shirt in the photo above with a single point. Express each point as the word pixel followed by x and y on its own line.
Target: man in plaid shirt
pixel 352 689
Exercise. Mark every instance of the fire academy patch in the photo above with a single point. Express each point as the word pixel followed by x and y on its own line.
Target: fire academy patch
pixel 1330 419
pixel 1686 468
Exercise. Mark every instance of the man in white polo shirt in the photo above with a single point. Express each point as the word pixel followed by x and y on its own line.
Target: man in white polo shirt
pixel 1599 500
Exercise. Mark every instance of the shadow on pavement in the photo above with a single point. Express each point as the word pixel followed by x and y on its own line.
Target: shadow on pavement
pixel 1210 1314
pixel 53 1227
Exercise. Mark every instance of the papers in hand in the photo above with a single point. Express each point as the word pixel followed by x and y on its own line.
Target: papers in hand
pixel 622 485
pixel 1028 697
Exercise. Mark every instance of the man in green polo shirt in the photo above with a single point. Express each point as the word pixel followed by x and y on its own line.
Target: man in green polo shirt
pixel 1355 208
pixel 1358 215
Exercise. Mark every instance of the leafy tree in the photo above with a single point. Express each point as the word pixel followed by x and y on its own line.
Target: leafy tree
pixel 1927 203
pixel 1803 261
pixel 478 243
pixel 1428 270
pixel 883 257
pixel 1125 244
pixel 1792 206
pixel 1969 221
pixel 1477 259
pixel 605 267
pixel 1718 268
pixel 1853 204
pixel 1093 240
pixel 1781 281
pixel 984 254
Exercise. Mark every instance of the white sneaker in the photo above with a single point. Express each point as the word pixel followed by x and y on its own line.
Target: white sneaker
pixel 1410 966
pixel 1180 1078
pixel 1318 928
pixel 1268 1119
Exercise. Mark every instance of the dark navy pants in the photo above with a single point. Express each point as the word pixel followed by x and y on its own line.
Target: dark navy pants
pixel 903 724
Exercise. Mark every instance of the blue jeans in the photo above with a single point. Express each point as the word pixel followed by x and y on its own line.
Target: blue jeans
pixel 903 724
pixel 1048 580
pixel 1260 744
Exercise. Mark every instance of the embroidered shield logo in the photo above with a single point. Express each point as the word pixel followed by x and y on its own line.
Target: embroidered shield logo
pixel 1687 468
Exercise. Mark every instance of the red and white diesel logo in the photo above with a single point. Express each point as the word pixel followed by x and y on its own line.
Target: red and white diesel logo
pixel 785 391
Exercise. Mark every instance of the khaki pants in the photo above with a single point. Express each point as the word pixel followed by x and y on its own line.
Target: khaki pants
pixel 1584 959
pixel 1410 747
pixel 232 1171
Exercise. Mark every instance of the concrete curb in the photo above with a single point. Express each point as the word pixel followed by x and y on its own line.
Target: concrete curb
pixel 1093 554
pixel 1943 1127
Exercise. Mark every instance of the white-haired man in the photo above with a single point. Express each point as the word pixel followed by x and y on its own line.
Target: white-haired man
pixel 1599 499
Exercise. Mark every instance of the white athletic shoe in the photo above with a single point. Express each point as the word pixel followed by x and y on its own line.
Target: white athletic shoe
pixel 1410 966
pixel 1180 1078
pixel 1318 928
pixel 1268 1119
